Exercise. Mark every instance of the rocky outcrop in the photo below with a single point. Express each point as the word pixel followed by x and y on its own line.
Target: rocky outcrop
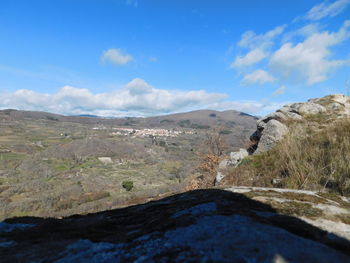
pixel 237 224
pixel 273 131
pixel 273 127
pixel 234 160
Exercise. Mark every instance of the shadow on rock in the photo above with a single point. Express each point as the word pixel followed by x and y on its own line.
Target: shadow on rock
pixel 198 226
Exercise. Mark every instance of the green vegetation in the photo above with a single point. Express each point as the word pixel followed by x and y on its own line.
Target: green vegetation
pixel 184 123
pixel 166 121
pixel 189 124
pixel 225 132
pixel 128 185
pixel 199 126
pixel 162 143
pixel 51 118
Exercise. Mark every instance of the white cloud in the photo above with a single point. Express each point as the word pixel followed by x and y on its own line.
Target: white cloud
pixel 279 91
pixel 309 60
pixel 136 98
pixel 302 55
pixel 325 9
pixel 258 77
pixel 251 40
pixel 250 58
pixel 304 31
pixel 116 57
pixel 257 45
pixel 134 3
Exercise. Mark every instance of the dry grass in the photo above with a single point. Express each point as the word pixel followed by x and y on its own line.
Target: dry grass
pixel 310 157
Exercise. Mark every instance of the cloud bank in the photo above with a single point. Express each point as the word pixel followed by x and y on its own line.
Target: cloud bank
pixel 136 98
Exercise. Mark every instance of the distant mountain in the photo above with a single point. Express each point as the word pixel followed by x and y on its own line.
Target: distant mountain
pixel 199 119
pixel 88 115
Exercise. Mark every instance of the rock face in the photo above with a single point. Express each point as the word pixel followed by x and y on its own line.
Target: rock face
pixel 231 225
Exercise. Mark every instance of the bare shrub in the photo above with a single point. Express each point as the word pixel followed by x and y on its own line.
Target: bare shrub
pixel 210 156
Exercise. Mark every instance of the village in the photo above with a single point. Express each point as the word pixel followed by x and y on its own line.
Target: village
pixel 144 132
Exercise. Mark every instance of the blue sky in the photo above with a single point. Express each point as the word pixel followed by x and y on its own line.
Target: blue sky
pixel 151 57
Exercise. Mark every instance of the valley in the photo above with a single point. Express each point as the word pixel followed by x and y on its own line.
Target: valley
pixel 54 165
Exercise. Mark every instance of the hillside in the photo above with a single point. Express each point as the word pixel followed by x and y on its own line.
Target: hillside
pixel 54 165
pixel 283 198
pixel 230 118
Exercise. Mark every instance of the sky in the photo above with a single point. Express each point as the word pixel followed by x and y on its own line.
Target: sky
pixel 152 57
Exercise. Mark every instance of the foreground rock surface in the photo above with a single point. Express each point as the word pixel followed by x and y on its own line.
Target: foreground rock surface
pixel 238 224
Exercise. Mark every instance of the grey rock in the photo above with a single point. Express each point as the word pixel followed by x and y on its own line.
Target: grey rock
pixel 210 225
pixel 309 108
pixel 105 160
pixel 273 132
pixel 219 177
pixel 223 163
pixel 336 106
pixel 290 113
pixel 237 157
pixel 280 116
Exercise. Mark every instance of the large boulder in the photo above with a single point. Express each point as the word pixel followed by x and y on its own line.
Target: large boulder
pixel 273 132
pixel 279 116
